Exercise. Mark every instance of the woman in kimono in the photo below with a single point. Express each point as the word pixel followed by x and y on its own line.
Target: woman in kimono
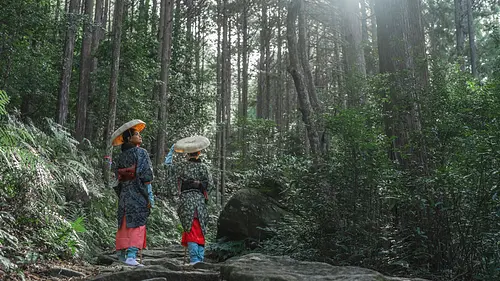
pixel 193 180
pixel 134 173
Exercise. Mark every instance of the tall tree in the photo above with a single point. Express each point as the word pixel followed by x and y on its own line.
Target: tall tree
pixel 353 50
pixel 219 100
pixel 267 93
pixel 278 108
pixel 303 52
pixel 85 68
pixel 262 75
pixel 97 36
pixel 154 18
pixel 167 23
pixel 226 96
pixel 304 101
pixel 459 32
pixel 113 83
pixel 67 64
pixel 244 87
pixel 365 38
pixel 401 51
pixel 472 39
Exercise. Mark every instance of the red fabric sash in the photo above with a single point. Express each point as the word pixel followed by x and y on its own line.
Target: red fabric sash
pixel 126 174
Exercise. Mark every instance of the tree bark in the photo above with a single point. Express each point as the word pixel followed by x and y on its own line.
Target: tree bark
pixel 304 56
pixel 267 93
pixel 226 92
pixel 278 109
pixel 154 18
pixel 107 16
pixel 244 88
pixel 67 64
pixel 459 32
pixel 238 64
pixel 261 90
pixel 365 39
pixel 85 69
pixel 402 56
pixel 219 102
pixel 113 84
pixel 97 36
pixel 354 56
pixel 163 96
pixel 373 31
pixel 294 70
pixel 472 39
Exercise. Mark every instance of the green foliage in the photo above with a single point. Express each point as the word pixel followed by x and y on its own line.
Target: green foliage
pixel 358 208
pixel 52 203
pixel 4 100
pixel 224 250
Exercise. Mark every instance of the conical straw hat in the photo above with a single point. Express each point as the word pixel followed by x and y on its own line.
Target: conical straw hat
pixel 191 144
pixel 136 124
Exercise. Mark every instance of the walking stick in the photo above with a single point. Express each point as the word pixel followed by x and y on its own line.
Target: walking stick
pixel 140 256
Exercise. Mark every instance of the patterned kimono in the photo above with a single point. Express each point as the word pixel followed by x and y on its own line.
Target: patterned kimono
pixel 193 180
pixel 133 171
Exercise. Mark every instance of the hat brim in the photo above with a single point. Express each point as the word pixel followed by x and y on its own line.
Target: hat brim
pixel 117 138
pixel 191 144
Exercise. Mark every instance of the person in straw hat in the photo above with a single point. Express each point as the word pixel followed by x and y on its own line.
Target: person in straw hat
pixel 133 170
pixel 193 180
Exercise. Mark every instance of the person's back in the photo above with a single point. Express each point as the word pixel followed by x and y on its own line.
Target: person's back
pixel 193 179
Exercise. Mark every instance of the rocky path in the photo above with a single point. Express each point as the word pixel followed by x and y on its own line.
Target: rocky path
pixel 168 265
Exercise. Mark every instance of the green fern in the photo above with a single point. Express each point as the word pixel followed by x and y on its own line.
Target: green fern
pixel 4 100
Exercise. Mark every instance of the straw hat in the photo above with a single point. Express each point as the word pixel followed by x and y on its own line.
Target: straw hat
pixel 191 144
pixel 136 124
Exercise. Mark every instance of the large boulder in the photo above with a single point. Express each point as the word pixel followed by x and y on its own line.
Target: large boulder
pixel 259 267
pixel 249 214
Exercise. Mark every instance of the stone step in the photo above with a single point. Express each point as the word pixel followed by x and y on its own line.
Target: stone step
pixel 149 272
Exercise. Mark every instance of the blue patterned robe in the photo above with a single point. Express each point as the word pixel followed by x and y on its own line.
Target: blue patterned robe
pixel 133 193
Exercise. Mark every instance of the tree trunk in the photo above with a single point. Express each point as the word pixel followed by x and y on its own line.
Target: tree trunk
pixel 365 39
pixel 97 36
pixel 219 103
pixel 354 56
pixel 278 109
pixel 300 85
pixel 130 15
pixel 85 68
pixel 261 90
pixel 402 56
pixel 67 64
pixel 154 18
pixel 197 55
pixel 472 39
pixel 189 20
pixel 163 96
pixel 416 40
pixel 57 15
pixel 238 64
pixel 113 84
pixel 373 31
pixel 107 16
pixel 459 32
pixel 226 95
pixel 244 88
pixel 304 56
pixel 267 93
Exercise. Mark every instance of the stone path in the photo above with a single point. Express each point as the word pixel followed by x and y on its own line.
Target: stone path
pixel 168 265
